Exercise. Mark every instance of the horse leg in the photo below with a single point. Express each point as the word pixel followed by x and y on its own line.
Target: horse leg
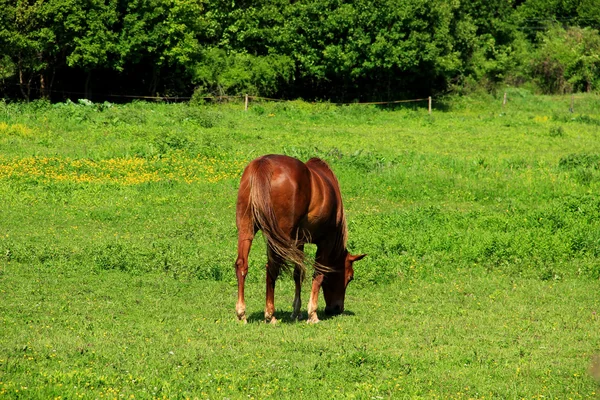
pixel 318 277
pixel 273 266
pixel 241 269
pixel 314 297
pixel 244 222
pixel 297 314
pixel 298 278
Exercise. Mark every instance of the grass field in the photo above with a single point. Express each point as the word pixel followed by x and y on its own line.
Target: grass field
pixel 481 224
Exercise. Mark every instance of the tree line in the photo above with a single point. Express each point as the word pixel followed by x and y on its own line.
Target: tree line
pixel 341 50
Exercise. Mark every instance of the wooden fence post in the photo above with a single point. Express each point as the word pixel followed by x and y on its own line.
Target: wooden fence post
pixel 504 101
pixel 246 103
pixel 429 105
pixel 572 109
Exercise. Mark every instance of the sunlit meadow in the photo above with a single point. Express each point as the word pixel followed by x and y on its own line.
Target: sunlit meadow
pixel 481 223
pixel 120 171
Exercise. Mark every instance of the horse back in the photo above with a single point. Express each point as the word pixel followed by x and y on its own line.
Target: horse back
pixel 279 183
pixel 286 198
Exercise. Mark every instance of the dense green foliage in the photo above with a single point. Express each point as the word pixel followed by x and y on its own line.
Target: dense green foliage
pixel 323 49
pixel 481 224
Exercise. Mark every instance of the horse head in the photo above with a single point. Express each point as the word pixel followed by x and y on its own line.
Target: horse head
pixel 336 281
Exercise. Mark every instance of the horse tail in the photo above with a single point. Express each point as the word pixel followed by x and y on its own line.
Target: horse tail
pixel 263 214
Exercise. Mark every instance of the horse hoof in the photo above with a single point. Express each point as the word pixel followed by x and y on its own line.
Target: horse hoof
pixel 297 317
pixel 313 320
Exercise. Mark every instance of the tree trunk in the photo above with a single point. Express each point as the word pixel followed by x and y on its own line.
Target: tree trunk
pixel 22 81
pixel 43 91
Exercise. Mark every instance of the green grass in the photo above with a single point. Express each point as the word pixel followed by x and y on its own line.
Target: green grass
pixel 115 335
pixel 482 226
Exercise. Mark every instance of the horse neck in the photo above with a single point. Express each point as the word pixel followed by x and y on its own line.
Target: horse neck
pixel 320 168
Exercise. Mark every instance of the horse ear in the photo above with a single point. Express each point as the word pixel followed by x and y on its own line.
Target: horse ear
pixel 357 257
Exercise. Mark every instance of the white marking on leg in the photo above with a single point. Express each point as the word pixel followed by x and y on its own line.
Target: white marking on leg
pixel 240 310
pixel 312 311
pixel 270 318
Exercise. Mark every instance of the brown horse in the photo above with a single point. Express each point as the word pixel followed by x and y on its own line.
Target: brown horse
pixel 294 203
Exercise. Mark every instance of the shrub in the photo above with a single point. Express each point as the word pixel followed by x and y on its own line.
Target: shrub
pixel 220 73
pixel 567 60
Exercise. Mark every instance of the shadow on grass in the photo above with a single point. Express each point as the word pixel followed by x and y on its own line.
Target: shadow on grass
pixel 285 317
